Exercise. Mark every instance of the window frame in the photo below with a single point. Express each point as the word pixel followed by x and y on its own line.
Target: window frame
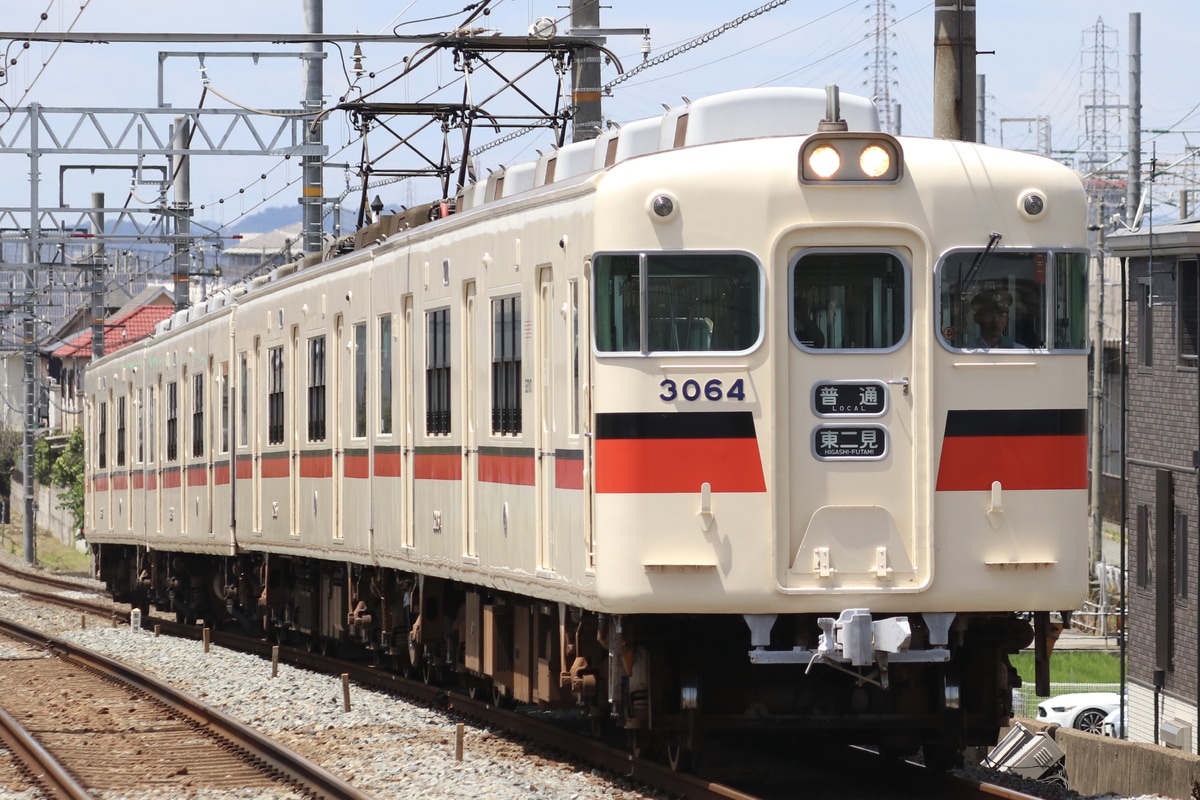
pixel 317 381
pixel 642 255
pixel 438 373
pixel 198 415
pixel 906 268
pixel 172 421
pixel 276 395
pixel 386 371
pixel 358 335
pixel 506 341
pixel 1051 298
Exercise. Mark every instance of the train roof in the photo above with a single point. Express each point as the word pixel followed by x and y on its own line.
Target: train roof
pixel 730 116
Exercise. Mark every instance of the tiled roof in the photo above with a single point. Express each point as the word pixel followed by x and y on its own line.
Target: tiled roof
pixel 118 332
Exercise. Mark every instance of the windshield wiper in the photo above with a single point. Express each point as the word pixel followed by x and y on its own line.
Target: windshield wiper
pixel 969 281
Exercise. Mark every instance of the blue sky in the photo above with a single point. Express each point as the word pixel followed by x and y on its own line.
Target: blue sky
pixel 1044 66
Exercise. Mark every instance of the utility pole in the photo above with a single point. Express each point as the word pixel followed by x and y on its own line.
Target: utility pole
pixel 312 55
pixel 1133 196
pixel 181 179
pixel 32 258
pixel 954 69
pixel 981 96
pixel 585 74
pixel 96 267
pixel 1098 404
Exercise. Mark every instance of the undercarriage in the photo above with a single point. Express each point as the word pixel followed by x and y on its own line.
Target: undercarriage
pixel 937 682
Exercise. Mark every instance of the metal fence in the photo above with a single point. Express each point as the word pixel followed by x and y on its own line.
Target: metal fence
pixel 1025 699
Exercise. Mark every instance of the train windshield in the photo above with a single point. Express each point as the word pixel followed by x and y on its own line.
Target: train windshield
pixel 848 300
pixel 677 302
pixel 1007 299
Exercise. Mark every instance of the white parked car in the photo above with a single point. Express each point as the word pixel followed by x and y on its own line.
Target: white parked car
pixel 1084 711
pixel 1114 724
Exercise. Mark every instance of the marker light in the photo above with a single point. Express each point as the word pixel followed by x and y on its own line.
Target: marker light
pixel 874 161
pixel 824 161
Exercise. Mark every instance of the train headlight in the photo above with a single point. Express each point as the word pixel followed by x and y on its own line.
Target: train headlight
pixel 851 157
pixel 824 162
pixel 875 161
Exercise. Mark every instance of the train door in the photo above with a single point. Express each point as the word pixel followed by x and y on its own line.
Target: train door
pixel 255 437
pixel 341 383
pixel 406 430
pixel 543 382
pixel 851 418
pixel 470 422
pixel 293 439
pixel 581 402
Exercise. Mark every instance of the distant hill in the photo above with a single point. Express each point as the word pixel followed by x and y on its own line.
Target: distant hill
pixel 270 219
pixel 263 222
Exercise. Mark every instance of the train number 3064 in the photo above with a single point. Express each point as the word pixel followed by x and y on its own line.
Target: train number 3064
pixel 692 389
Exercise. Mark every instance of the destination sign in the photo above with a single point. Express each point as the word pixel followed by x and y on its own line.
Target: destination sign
pixel 849 442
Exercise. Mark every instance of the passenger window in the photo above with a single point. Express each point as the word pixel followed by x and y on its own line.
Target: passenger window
pixel 848 300
pixel 1007 299
pixel 677 302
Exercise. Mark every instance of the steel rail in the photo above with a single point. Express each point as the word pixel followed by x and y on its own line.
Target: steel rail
pixel 45 770
pixel 287 763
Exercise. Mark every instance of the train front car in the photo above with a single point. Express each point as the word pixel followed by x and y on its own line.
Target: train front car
pixel 839 395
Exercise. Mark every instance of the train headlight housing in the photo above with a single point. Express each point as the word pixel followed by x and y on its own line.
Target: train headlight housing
pixel 851 157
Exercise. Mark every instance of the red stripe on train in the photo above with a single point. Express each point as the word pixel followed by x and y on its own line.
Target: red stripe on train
pixel 275 467
pixel 197 476
pixel 387 465
pixel 568 473
pixel 356 466
pixel 972 463
pixel 437 467
pixel 513 470
pixel 316 466
pixel 221 474
pixel 653 466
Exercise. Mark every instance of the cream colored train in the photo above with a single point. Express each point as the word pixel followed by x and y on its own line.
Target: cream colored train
pixel 744 416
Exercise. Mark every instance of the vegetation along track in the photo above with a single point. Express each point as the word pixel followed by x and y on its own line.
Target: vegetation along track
pixel 115 728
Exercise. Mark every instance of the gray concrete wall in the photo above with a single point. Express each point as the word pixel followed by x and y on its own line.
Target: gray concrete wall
pixel 49 515
pixel 1103 765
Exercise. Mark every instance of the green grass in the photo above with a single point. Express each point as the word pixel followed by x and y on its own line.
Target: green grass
pixel 1073 666
pixel 52 555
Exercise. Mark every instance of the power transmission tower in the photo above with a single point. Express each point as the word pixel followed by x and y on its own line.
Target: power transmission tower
pixel 1102 148
pixel 881 69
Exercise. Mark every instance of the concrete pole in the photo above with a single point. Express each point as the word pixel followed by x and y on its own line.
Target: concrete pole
pixel 585 75
pixel 314 191
pixel 97 270
pixel 1098 408
pixel 954 69
pixel 181 174
pixel 1134 195
pixel 32 258
pixel 981 96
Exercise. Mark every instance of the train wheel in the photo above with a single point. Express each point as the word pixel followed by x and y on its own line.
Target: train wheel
pixel 428 673
pixel 640 743
pixel 678 749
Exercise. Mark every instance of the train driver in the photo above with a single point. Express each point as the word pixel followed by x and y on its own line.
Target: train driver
pixel 991 315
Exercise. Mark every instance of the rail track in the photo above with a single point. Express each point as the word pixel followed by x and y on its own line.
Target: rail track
pixel 758 771
pixel 113 727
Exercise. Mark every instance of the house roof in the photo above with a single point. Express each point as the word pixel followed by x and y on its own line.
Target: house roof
pixel 119 332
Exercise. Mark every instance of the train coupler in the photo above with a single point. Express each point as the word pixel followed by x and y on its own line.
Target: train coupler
pixel 855 639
